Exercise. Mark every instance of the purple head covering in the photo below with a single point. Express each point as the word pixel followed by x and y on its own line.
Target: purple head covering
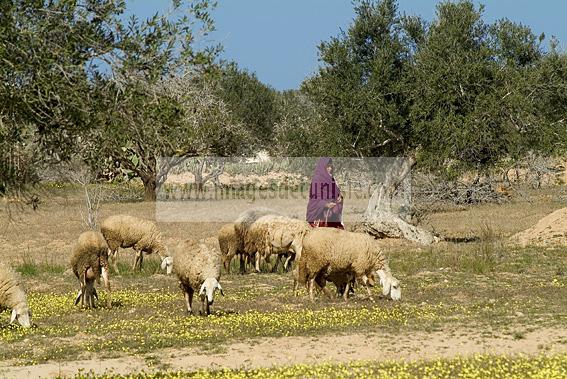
pixel 323 190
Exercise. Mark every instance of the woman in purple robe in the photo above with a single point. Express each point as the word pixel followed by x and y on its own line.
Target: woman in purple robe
pixel 325 207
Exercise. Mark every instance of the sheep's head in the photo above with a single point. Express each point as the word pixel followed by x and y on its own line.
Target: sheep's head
pixel 161 250
pixel 22 313
pixel 208 289
pixel 390 285
pixel 167 265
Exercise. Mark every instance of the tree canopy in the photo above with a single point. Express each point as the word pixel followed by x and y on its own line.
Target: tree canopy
pixel 455 94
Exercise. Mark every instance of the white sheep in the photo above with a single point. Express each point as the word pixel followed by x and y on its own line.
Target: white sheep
pixel 197 265
pixel 128 231
pixel 274 234
pixel 89 262
pixel 12 296
pixel 340 256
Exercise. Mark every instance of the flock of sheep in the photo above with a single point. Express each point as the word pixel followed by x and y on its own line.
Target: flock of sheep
pixel 319 255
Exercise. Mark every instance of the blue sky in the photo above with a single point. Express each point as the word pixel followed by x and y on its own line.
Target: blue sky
pixel 278 39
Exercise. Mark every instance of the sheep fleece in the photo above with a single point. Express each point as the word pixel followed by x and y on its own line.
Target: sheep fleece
pixel 194 261
pixel 275 234
pixel 128 231
pixel 91 251
pixel 339 251
pixel 11 292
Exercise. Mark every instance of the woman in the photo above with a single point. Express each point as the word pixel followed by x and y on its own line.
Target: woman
pixel 325 207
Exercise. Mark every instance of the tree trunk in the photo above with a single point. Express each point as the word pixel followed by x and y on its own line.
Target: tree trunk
pixel 149 188
pixel 382 219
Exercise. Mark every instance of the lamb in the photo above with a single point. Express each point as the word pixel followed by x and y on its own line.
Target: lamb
pixel 89 262
pixel 12 296
pixel 128 231
pixel 197 265
pixel 340 256
pixel 274 234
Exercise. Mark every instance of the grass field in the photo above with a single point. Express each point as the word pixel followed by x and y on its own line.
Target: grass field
pixel 458 299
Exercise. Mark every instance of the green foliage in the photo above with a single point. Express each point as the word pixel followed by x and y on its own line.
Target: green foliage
pixel 302 130
pixel 161 100
pixel 457 94
pixel 47 50
pixel 359 89
pixel 249 100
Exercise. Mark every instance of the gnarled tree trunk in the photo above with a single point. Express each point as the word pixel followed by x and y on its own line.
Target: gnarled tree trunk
pixel 150 186
pixel 382 219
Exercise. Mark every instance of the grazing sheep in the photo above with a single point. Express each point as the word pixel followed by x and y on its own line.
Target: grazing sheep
pixel 274 234
pixel 128 231
pixel 230 245
pixel 89 262
pixel 197 265
pixel 340 256
pixel 12 296
pixel 241 227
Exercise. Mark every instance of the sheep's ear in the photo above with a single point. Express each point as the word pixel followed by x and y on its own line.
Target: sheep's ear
pixel 220 288
pixel 14 315
pixel 202 290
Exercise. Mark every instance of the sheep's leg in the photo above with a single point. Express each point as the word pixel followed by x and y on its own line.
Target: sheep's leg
pixel 311 285
pixel 242 264
pixel 327 292
pixel 257 266
pixel 106 280
pixel 88 296
pixel 345 294
pixel 287 264
pixel 113 257
pixel 276 263
pixel 322 284
pixel 78 298
pixel 206 307
pixel 84 288
pixel 248 259
pixel 137 261
pixel 92 293
pixel 369 292
pixel 188 298
pixel 83 296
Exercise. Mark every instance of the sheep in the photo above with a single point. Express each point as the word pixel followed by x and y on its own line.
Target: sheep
pixel 230 245
pixel 274 234
pixel 12 296
pixel 197 265
pixel 341 256
pixel 241 226
pixel 89 262
pixel 128 231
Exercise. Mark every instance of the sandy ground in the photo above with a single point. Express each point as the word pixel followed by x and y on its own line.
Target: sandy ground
pixel 551 230
pixel 271 352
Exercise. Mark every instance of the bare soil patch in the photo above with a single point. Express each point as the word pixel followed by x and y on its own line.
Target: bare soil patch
pixel 272 352
pixel 551 230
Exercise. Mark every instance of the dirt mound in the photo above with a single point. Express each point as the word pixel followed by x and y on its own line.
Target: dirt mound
pixel 549 231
